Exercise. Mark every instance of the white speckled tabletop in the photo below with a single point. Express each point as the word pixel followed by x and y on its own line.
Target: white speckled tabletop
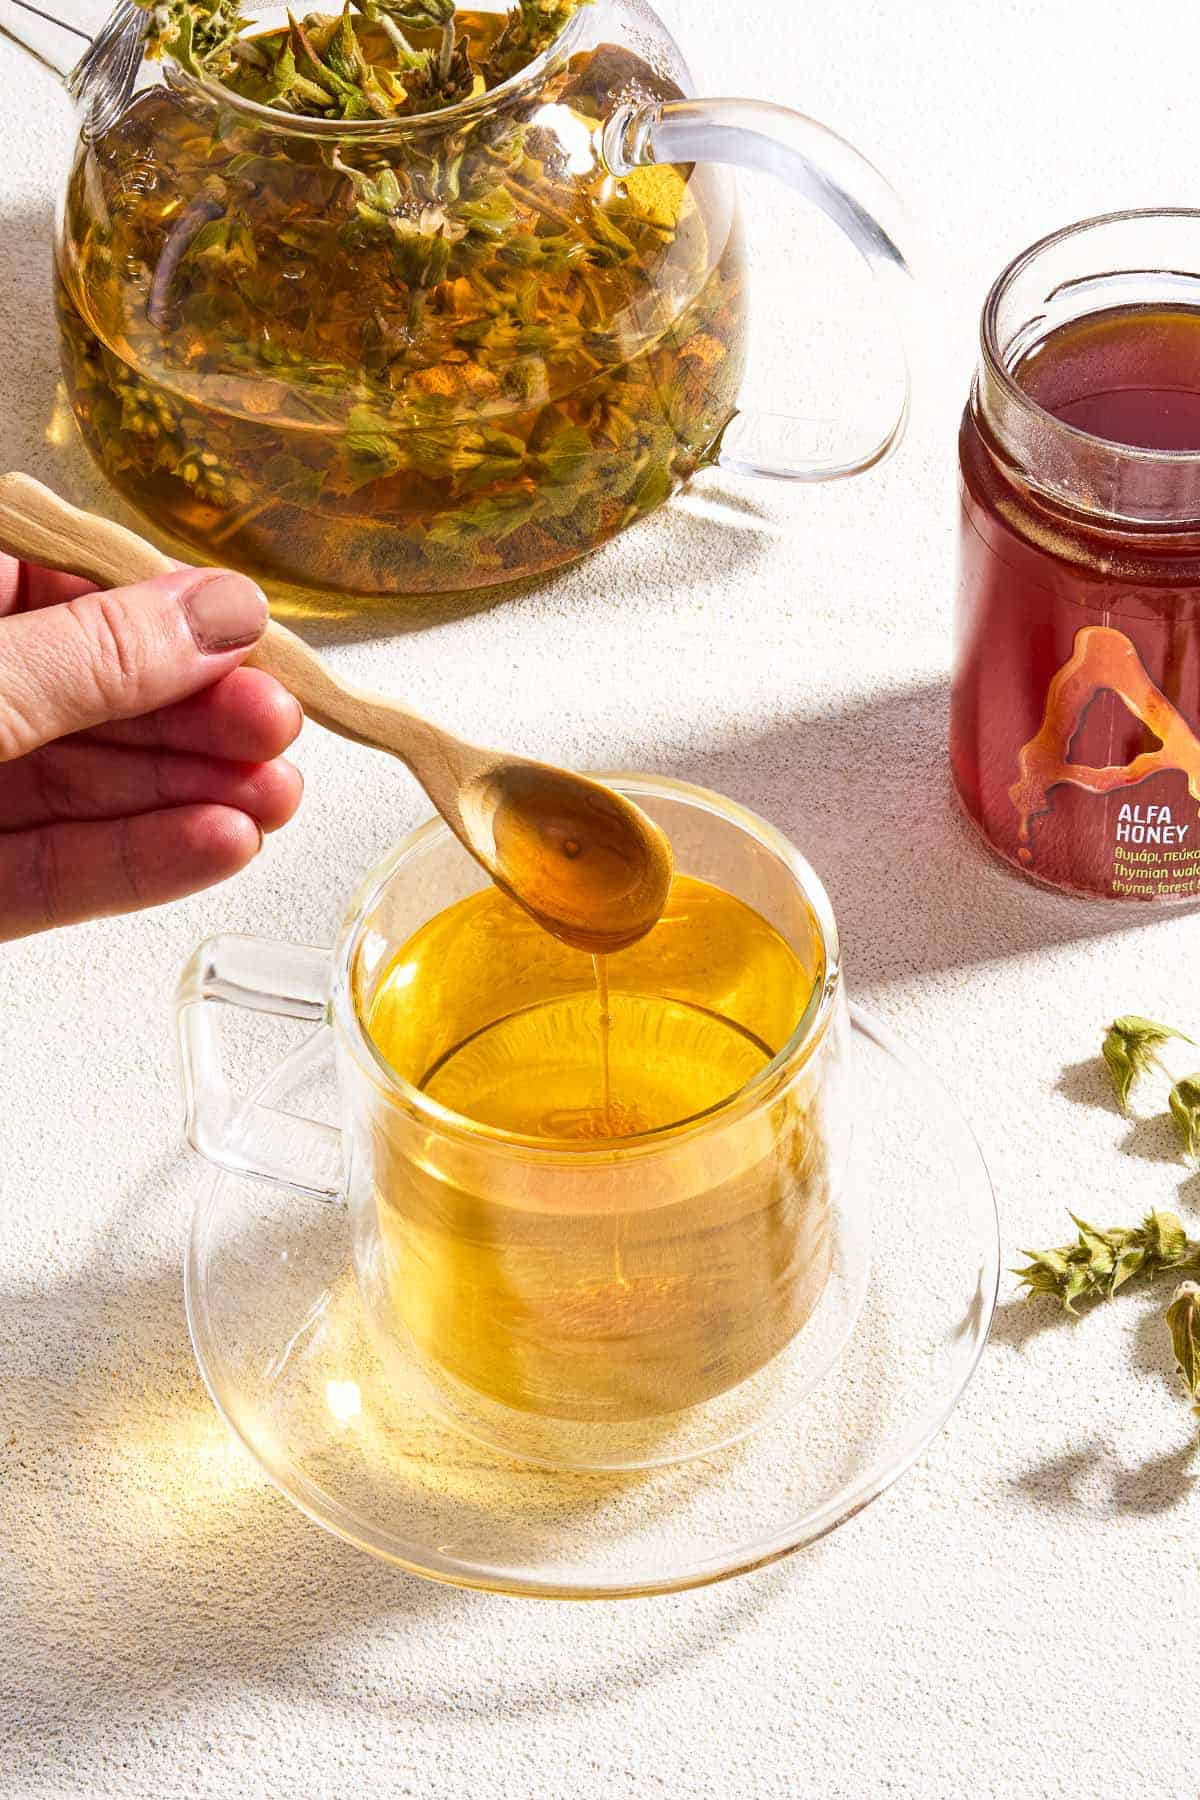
pixel 1017 1617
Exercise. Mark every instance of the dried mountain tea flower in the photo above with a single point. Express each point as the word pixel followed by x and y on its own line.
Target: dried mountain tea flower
pixel 1183 1320
pixel 1130 1050
pixel 1098 1263
pixel 1185 1110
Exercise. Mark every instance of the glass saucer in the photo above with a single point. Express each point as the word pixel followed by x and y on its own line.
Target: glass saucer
pixel 283 1344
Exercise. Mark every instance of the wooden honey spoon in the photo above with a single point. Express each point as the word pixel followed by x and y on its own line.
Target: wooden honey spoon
pixel 584 861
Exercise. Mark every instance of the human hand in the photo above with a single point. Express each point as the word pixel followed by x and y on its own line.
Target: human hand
pixel 138 762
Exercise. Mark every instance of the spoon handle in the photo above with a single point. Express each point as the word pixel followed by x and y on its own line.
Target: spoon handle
pixel 36 524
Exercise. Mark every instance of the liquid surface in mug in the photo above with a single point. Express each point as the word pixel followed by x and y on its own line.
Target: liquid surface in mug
pixel 495 1020
pixel 1075 733
pixel 619 1287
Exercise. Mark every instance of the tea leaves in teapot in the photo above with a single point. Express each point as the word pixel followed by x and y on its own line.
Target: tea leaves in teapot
pixel 413 363
pixel 318 66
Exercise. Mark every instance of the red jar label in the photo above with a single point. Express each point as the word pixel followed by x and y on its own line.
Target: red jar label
pixel 1151 852
pixel 1075 730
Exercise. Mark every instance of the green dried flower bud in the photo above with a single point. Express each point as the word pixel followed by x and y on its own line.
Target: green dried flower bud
pixel 1185 1110
pixel 420 15
pixel 1165 1238
pixel 1183 1320
pixel 1130 1050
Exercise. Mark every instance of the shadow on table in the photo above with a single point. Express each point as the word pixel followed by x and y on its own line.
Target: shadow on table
pixel 642 563
pixel 36 432
pixel 1093 1481
pixel 148 1563
pixel 865 792
pixel 1017 1322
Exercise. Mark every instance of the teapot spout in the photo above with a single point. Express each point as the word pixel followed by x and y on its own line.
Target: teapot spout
pixel 52 42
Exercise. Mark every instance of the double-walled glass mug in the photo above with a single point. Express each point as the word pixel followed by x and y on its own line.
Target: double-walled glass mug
pixel 417 354
pixel 612 1303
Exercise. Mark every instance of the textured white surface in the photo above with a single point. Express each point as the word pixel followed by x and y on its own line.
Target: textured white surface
pixel 1018 1617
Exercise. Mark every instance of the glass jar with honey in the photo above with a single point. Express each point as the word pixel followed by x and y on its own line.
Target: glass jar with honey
pixel 1075 732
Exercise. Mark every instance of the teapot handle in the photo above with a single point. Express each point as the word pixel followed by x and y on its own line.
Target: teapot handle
pixel 98 72
pixel 825 169
pixel 51 41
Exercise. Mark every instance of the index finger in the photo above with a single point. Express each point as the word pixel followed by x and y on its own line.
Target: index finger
pixel 246 716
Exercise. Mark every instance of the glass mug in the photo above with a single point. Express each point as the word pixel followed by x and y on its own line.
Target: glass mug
pixel 249 369
pixel 480 1254
pixel 1075 711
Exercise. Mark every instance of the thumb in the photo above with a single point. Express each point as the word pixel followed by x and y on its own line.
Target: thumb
pixel 114 655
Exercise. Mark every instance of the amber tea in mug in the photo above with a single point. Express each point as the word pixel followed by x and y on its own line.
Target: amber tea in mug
pixel 618 1310
pixel 1075 730
pixel 600 1213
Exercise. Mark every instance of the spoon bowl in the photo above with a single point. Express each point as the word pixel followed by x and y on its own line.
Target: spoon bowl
pixel 584 861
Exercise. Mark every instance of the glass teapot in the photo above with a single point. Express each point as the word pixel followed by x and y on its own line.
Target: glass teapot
pixel 431 353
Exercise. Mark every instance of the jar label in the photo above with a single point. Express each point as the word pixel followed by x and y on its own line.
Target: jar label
pixel 1105 795
pixel 1155 844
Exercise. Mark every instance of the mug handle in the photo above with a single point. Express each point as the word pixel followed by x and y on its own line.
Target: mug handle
pixel 824 168
pixel 291 981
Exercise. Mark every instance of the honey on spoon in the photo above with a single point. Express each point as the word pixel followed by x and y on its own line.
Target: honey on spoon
pixel 582 860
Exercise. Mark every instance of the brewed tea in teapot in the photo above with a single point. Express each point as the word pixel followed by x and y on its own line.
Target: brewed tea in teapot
pixel 409 299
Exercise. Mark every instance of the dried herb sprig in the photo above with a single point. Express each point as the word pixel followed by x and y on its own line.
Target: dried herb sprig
pixel 1100 1262
pixel 1130 1050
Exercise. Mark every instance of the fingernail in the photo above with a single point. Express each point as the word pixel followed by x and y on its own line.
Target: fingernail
pixel 225 612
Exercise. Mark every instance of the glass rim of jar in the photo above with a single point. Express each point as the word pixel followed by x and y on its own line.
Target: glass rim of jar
pixel 999 373
pixel 761 1090
pixel 284 124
